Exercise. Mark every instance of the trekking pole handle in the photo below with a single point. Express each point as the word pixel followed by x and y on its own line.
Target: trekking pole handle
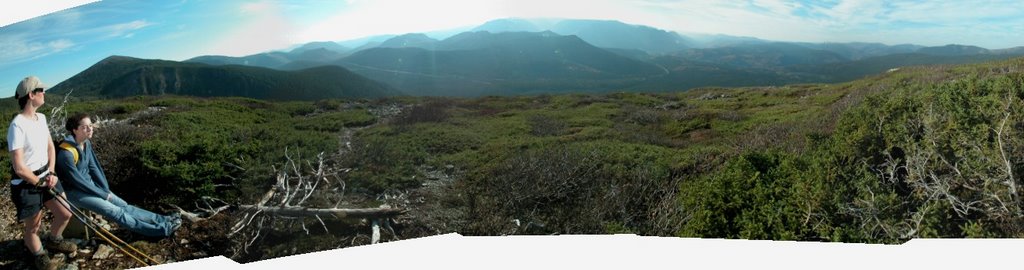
pixel 43 179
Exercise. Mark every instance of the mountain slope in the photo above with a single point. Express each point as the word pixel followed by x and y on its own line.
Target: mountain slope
pixel 615 34
pixel 409 41
pixel 861 50
pixel 315 55
pixel 846 71
pixel 768 56
pixel 267 60
pixel 123 76
pixel 496 61
pixel 953 50
pixel 600 33
pixel 329 45
pixel 509 25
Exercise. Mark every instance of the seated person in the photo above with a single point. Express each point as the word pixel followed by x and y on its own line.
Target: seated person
pixel 87 187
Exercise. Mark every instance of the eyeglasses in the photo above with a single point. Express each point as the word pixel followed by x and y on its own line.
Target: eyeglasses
pixel 38 90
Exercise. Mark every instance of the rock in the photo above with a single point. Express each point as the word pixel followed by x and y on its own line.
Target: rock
pixel 670 106
pixel 103 252
pixel 200 254
pixel 184 241
pixel 69 266
pixel 84 251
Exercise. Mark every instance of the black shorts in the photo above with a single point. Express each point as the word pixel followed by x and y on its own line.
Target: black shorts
pixel 29 199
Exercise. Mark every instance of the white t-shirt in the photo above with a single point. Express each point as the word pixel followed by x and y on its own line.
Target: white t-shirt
pixel 31 136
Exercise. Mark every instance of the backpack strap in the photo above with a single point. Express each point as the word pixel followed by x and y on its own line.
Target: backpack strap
pixel 72 149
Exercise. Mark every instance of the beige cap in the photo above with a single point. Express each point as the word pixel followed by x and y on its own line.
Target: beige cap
pixel 27 85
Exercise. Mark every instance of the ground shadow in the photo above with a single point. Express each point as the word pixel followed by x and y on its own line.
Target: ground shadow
pixel 13 255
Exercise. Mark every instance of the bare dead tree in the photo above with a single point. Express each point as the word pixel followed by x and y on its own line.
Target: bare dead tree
pixel 297 183
pixel 58 115
pixel 1010 181
pixel 978 180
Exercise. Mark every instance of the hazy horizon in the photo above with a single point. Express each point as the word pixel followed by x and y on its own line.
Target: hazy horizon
pixel 63 43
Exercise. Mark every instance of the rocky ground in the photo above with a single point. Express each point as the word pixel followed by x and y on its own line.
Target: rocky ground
pixel 192 241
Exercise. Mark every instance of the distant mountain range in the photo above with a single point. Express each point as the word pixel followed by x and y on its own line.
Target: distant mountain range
pixel 600 33
pixel 119 76
pixel 517 56
pixel 484 63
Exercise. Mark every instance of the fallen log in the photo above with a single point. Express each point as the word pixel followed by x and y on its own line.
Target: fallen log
pixel 298 211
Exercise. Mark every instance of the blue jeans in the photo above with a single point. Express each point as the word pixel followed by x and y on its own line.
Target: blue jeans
pixel 134 219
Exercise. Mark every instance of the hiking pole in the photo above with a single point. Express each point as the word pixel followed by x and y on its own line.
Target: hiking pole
pixel 100 230
pixel 103 231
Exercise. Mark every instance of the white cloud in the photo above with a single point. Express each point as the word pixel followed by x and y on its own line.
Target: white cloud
pixel 258 7
pixel 124 29
pixel 366 18
pixel 263 29
pixel 60 44
pixel 16 49
pixel 956 13
pixel 12 13
pixel 777 7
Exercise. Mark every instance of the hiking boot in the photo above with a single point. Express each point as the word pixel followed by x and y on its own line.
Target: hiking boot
pixel 43 262
pixel 62 245
pixel 175 225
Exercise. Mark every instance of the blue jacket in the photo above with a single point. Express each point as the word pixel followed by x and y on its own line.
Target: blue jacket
pixel 84 179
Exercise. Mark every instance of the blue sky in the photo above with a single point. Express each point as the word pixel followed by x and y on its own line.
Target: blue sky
pixel 60 44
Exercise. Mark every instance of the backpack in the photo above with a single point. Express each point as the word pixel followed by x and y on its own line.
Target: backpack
pixel 72 149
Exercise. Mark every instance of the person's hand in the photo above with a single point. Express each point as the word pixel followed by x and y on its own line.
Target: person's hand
pixel 51 181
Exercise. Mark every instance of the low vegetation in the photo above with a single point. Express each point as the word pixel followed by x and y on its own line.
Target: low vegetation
pixel 918 152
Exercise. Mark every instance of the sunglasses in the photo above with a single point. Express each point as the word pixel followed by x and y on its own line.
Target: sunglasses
pixel 38 90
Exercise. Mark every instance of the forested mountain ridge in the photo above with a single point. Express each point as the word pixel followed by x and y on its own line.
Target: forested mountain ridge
pixel 119 76
pixel 496 59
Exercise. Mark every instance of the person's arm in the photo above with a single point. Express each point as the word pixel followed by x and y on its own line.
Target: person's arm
pixel 75 178
pixel 51 157
pixel 16 143
pixel 22 170
pixel 96 170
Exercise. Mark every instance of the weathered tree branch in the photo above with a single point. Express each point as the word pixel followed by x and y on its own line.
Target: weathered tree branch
pixel 292 211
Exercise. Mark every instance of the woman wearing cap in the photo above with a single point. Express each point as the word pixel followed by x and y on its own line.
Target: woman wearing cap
pixel 32 157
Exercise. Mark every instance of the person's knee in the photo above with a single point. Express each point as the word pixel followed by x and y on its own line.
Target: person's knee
pixel 30 230
pixel 32 225
pixel 59 210
pixel 61 213
pixel 111 211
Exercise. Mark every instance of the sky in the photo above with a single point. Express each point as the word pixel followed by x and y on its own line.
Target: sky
pixel 55 46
